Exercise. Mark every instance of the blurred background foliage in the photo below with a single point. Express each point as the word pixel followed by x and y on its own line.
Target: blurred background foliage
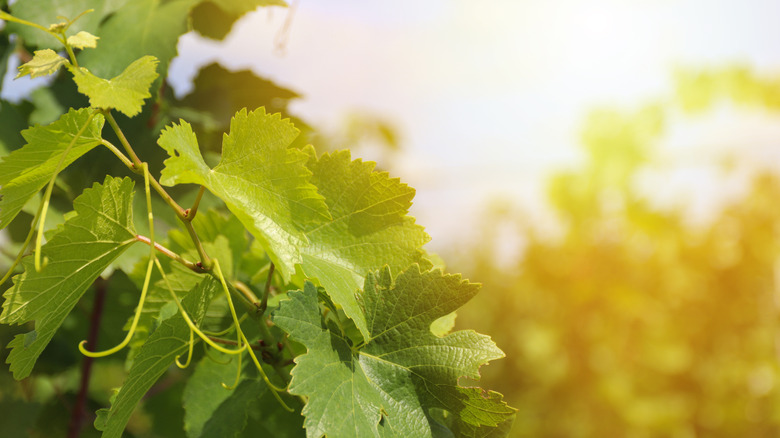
pixel 633 321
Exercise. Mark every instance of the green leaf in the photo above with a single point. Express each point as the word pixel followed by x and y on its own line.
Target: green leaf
pixel 14 119
pixel 5 52
pixel 139 28
pixel 78 254
pixel 265 184
pixel 215 18
pixel 213 411
pixel 155 357
pixel 402 372
pixel 262 181
pixel 46 12
pixel 126 92
pixel 44 63
pixel 27 170
pixel 244 6
pixel 220 93
pixel 369 229
pixel 83 40
pixel 47 108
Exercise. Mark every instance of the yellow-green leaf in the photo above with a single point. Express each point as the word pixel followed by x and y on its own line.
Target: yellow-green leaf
pixel 83 40
pixel 126 92
pixel 44 63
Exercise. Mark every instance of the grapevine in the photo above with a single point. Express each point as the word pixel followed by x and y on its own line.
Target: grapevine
pixel 338 341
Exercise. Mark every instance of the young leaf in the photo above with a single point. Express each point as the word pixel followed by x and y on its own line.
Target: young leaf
pixel 83 40
pixel 402 371
pixel 126 92
pixel 27 170
pixel 88 242
pixel 263 182
pixel 155 356
pixel 44 63
pixel 369 229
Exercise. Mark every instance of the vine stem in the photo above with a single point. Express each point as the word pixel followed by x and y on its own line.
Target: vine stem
pixel 170 254
pixel 190 214
pixel 248 296
pixel 229 342
pixel 123 139
pixel 145 289
pixel 135 166
pixel 266 290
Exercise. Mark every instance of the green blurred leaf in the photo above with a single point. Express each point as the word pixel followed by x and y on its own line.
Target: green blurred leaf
pixel 27 170
pixel 14 119
pixel 47 107
pixel 215 18
pixel 402 371
pixel 213 411
pixel 221 93
pixel 140 28
pixel 77 255
pixel 243 6
pixel 126 92
pixel 45 12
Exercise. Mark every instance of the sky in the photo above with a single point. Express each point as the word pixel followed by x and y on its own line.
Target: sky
pixel 489 97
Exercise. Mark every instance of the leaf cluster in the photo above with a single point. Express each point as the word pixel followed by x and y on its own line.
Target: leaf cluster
pixel 295 285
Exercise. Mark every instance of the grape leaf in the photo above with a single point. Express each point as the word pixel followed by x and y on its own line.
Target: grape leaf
pixel 213 411
pixel 44 63
pixel 154 358
pixel 87 243
pixel 266 186
pixel 139 28
pixel 25 171
pixel 264 183
pixel 126 92
pixel 83 40
pixel 46 12
pixel 402 372
pixel 369 229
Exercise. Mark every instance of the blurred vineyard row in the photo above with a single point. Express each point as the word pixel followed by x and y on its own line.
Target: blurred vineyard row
pixel 634 322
